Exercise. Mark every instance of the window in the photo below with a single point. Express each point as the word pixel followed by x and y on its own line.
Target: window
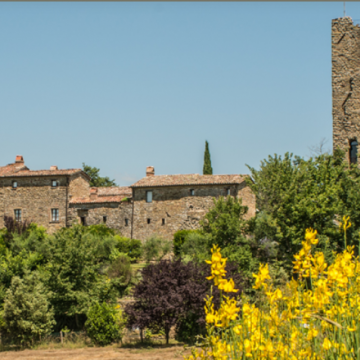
pixel 54 183
pixel 192 192
pixel 14 184
pixel 126 222
pixel 163 221
pixel 17 213
pixel 149 196
pixel 104 219
pixel 353 152
pixel 148 221
pixel 227 191
pixel 54 214
pixel 83 220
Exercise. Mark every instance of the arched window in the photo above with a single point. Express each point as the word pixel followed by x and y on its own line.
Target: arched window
pixel 353 151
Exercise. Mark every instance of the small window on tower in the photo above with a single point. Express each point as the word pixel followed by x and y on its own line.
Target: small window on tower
pixel 104 219
pixel 14 184
pixel 54 183
pixel 192 192
pixel 353 152
pixel 163 221
pixel 148 221
pixel 126 222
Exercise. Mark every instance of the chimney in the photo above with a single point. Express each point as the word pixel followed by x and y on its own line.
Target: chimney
pixel 54 167
pixel 150 171
pixel 93 193
pixel 19 159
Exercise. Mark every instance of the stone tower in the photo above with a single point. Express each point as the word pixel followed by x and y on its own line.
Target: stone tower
pixel 345 48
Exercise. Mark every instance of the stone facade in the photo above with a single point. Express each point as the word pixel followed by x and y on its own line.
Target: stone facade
pixel 177 202
pixel 173 208
pixel 346 85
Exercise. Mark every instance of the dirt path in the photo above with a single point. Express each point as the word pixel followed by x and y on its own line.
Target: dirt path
pixel 107 353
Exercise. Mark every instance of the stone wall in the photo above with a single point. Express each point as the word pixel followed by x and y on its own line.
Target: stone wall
pixel 79 186
pixel 173 208
pixel 345 83
pixel 94 213
pixel 35 197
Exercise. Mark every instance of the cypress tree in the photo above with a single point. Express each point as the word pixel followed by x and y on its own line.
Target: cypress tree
pixel 207 169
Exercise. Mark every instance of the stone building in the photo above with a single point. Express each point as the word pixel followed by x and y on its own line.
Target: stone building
pixel 346 86
pixel 156 204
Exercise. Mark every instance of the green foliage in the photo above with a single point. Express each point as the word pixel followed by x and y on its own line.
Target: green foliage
pixel 121 273
pixel 155 248
pixel 131 247
pixel 293 194
pixel 207 169
pixel 224 221
pixel 96 179
pixel 188 328
pixel 104 324
pixel 179 239
pixel 75 257
pixel 196 246
pixel 27 314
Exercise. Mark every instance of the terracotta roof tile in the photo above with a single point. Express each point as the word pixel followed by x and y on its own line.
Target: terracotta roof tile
pixel 189 179
pixel 16 170
pixel 98 200
pixel 114 190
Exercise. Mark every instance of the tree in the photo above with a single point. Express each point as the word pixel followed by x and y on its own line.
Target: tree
pixel 224 222
pixel 207 169
pixel 293 194
pixel 169 292
pixel 27 314
pixel 104 324
pixel 96 179
pixel 75 256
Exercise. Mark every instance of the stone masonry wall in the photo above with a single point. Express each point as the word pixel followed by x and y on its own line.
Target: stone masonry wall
pixel 345 83
pixel 35 197
pixel 79 186
pixel 177 209
pixel 94 214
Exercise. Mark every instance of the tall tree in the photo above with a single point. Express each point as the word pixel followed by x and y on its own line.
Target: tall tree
pixel 207 169
pixel 96 179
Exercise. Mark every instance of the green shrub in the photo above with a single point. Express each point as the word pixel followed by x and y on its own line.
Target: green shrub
pixel 131 247
pixel 179 238
pixel 104 324
pixel 27 315
pixel 155 248
pixel 196 247
pixel 189 328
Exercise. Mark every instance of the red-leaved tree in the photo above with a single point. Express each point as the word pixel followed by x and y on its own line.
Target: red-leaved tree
pixel 170 290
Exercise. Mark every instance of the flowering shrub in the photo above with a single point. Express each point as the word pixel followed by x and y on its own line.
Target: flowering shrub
pixel 315 317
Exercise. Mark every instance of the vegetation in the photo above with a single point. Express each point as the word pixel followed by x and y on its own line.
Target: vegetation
pixel 66 272
pixel 155 248
pixel 27 314
pixel 96 179
pixel 293 194
pixel 314 317
pixel 172 293
pixel 207 169
pixel 104 324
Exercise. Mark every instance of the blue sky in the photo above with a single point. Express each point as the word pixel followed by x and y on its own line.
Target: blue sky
pixel 122 86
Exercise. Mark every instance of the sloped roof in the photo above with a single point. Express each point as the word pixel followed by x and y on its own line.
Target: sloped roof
pixel 98 195
pixel 114 190
pixel 189 179
pixel 16 170
pixel 98 200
